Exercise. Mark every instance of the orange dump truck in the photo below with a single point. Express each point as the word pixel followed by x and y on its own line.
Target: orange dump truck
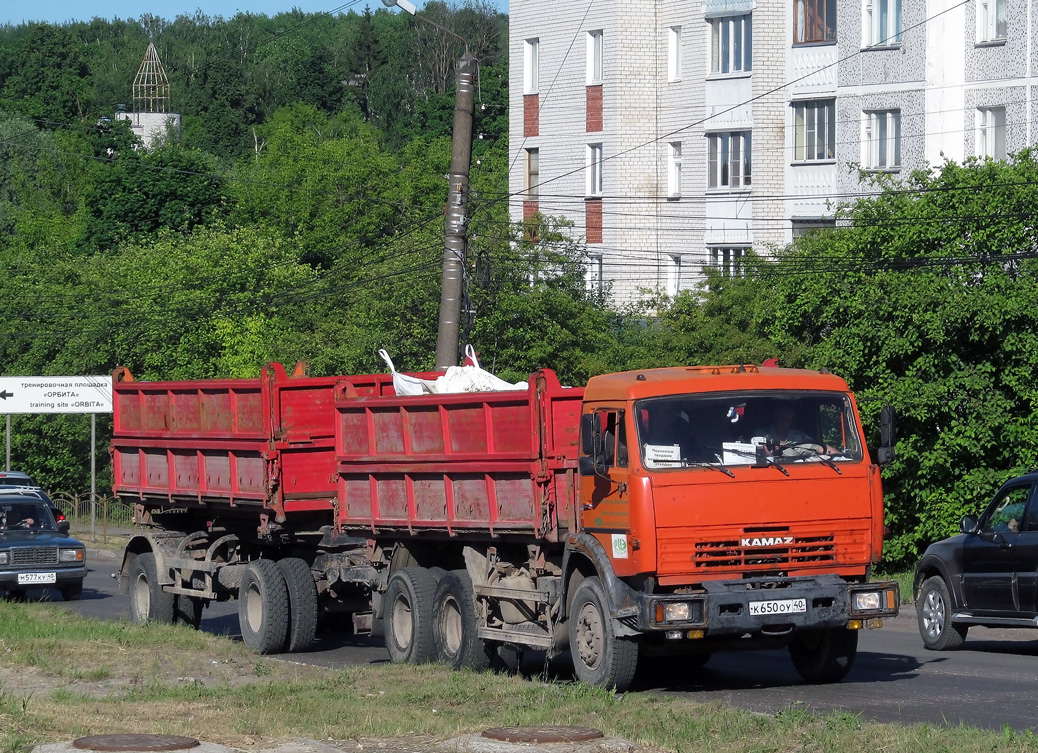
pixel 663 512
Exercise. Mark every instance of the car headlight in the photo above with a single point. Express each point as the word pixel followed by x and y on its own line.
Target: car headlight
pixel 677 612
pixel 71 555
pixel 865 601
pixel 3 558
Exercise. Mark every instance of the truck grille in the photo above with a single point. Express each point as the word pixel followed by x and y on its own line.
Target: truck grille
pixel 769 554
pixel 42 555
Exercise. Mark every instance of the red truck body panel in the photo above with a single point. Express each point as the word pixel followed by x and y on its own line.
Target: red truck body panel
pixel 490 462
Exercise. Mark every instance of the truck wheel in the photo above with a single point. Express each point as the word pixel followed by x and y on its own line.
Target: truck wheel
pixel 188 611
pixel 148 602
pixel 302 604
pixel 454 624
pixel 263 607
pixel 933 610
pixel 824 655
pixel 408 615
pixel 72 592
pixel 600 658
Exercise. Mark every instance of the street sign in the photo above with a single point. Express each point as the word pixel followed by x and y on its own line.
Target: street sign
pixel 63 394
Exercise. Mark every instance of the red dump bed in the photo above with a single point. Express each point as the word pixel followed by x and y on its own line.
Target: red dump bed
pixel 489 463
pixel 267 442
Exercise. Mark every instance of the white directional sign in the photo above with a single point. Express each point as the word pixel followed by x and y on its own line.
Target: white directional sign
pixel 71 394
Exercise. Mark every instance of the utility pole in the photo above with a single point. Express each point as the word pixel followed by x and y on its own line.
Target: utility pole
pixel 456 235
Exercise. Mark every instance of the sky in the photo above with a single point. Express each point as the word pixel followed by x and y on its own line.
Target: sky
pixel 59 11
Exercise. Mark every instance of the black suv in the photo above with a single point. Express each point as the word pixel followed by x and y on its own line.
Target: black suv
pixel 35 551
pixel 987 575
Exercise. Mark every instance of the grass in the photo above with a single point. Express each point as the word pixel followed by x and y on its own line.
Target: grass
pixel 63 676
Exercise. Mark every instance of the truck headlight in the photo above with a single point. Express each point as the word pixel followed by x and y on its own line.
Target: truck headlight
pixel 71 555
pixel 3 558
pixel 677 612
pixel 865 601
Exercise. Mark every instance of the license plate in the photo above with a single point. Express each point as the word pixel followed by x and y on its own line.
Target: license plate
pixel 28 579
pixel 780 606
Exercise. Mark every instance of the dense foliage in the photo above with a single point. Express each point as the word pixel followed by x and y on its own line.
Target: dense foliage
pixel 299 215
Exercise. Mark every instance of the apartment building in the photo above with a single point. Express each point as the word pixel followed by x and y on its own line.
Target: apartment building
pixel 676 135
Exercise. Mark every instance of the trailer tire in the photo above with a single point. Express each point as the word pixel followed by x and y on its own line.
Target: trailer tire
pixel 454 624
pixel 601 658
pixel 302 604
pixel 408 615
pixel 148 602
pixel 822 656
pixel 263 607
pixel 188 610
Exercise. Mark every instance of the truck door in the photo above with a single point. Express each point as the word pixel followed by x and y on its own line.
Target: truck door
pixel 605 512
pixel 991 558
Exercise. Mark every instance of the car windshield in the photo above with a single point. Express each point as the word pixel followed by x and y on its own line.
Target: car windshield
pixel 16 481
pixel 26 516
pixel 746 428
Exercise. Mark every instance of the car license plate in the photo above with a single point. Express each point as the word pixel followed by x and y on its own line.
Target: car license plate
pixel 28 579
pixel 780 606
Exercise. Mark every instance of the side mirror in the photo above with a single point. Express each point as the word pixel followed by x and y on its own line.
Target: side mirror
pixel 887 435
pixel 63 527
pixel 968 524
pixel 592 460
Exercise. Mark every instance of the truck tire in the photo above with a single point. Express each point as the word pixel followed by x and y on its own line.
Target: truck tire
pixel 302 604
pixel 188 610
pixel 148 602
pixel 933 611
pixel 824 655
pixel 454 624
pixel 600 658
pixel 407 613
pixel 263 607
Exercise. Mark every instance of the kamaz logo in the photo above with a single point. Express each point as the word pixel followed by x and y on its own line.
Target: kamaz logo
pixel 768 541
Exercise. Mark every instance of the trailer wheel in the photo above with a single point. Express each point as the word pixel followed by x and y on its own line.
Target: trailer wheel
pixel 263 607
pixel 302 604
pixel 600 658
pixel 148 602
pixel 824 655
pixel 408 615
pixel 188 610
pixel 454 624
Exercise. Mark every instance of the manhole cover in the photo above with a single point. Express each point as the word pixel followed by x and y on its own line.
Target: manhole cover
pixel 546 734
pixel 116 743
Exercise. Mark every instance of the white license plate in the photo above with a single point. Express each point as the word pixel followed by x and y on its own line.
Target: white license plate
pixel 28 579
pixel 780 606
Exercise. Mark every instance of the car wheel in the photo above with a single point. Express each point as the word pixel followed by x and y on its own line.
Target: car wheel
pixel 263 607
pixel 72 592
pixel 148 602
pixel 933 609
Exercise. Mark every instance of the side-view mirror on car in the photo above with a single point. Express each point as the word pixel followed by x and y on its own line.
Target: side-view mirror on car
pixel 968 524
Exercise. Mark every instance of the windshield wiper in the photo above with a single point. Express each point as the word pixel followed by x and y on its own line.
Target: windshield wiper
pixel 723 469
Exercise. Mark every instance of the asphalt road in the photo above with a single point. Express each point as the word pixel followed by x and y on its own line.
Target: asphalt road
pixel 989 684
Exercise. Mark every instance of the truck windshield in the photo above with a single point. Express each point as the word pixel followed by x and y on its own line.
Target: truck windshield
pixel 745 428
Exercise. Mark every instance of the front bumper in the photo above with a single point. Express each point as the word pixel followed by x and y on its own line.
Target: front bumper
pixel 63 576
pixel 736 608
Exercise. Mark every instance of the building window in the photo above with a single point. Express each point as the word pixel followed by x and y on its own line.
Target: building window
pixel 593 163
pixel 593 274
pixel 728 260
pixel 673 274
pixel 991 132
pixel 814 21
pixel 814 130
pixel 674 170
pixel 674 53
pixel 732 45
pixel 991 20
pixel 594 57
pixel 806 227
pixel 533 172
pixel 882 21
pixel 883 139
pixel 729 159
pixel 531 66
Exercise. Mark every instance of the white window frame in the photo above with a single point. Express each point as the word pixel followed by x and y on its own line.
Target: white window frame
pixel 881 140
pixel 674 169
pixel 533 173
pixel 814 130
pixel 991 132
pixel 531 66
pixel 992 20
pixel 731 45
pixel 674 53
pixel 594 57
pixel 673 279
pixel 594 275
pixel 593 167
pixel 729 160
pixel 728 259
pixel 882 22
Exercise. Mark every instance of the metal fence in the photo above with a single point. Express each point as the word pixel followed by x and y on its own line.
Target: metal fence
pixel 100 518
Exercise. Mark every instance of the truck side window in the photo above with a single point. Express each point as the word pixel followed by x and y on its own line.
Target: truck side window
pixel 615 435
